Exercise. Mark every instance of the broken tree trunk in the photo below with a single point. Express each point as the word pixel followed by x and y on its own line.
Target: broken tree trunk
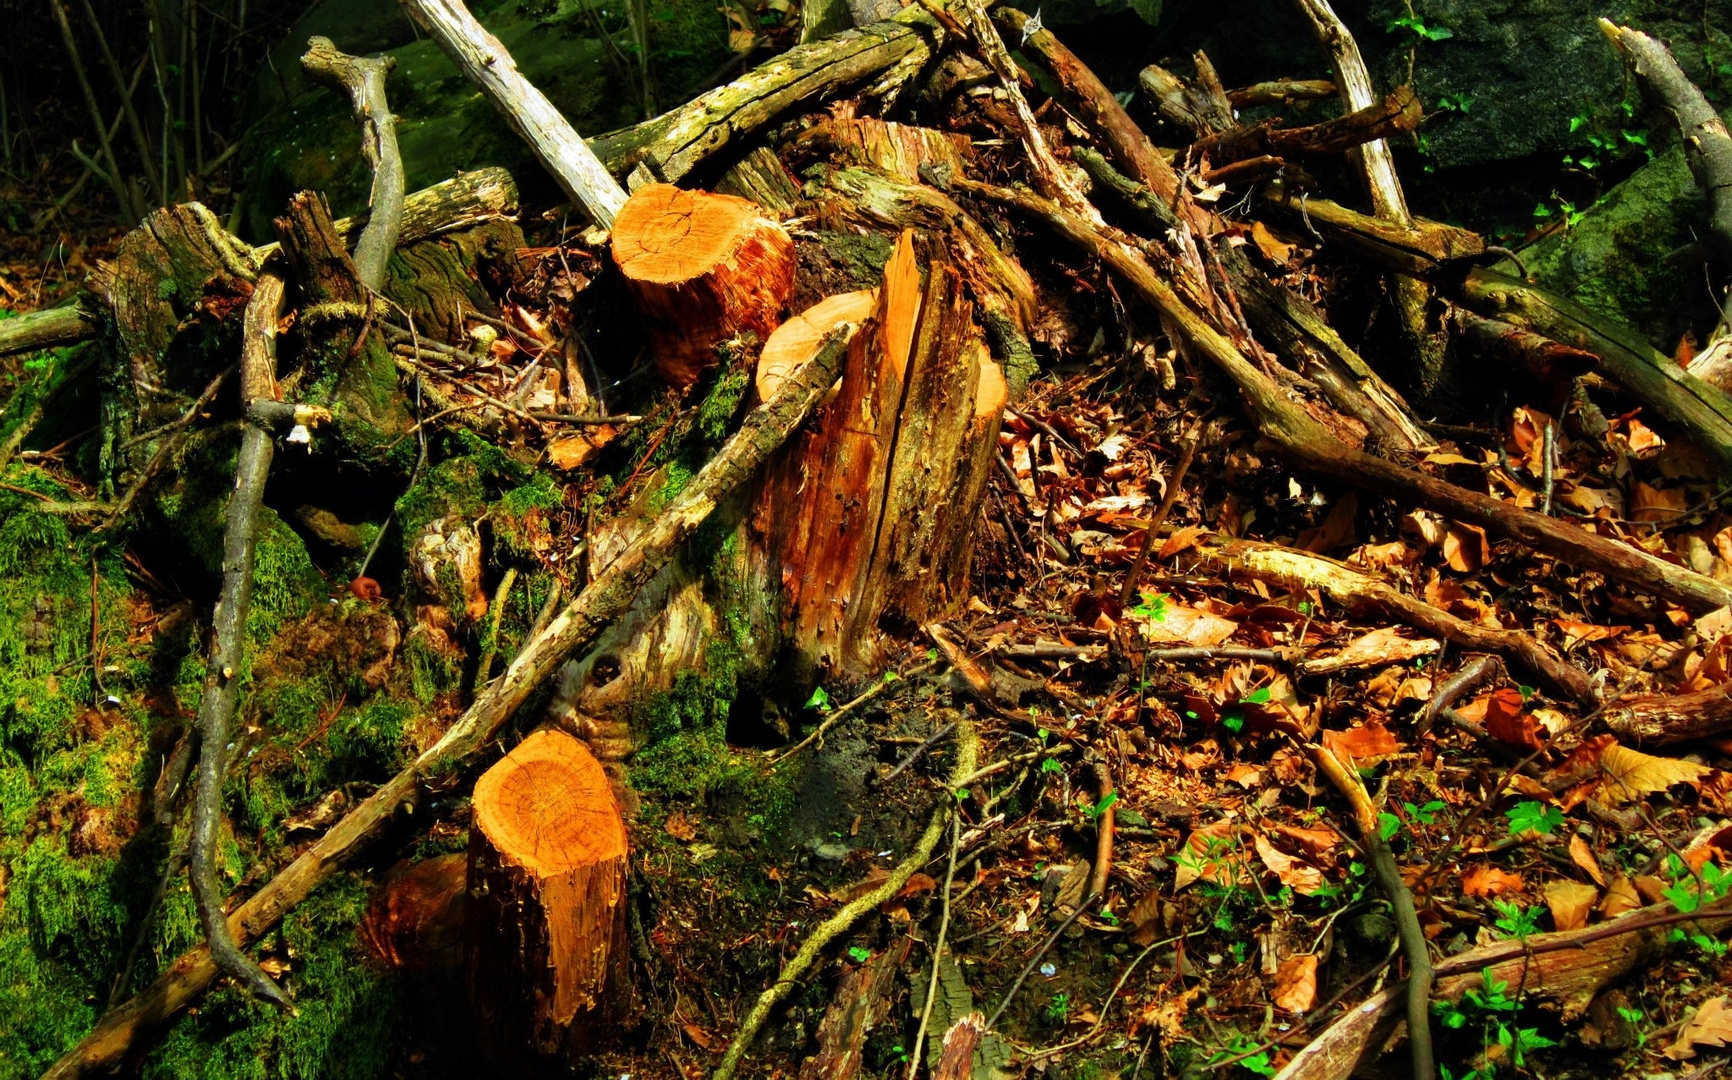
pixel 606 598
pixel 547 887
pixel 702 268
pixel 878 503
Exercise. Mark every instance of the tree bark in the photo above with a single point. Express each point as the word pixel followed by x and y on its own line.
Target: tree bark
pixel 547 891
pixel 1665 719
pixel 362 80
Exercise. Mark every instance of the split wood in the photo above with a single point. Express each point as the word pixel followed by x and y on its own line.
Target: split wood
pixel 967 753
pixel 608 596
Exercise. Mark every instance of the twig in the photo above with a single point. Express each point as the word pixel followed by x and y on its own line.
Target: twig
pixel 51 505
pixel 1548 466
pixel 1452 689
pixel 938 948
pixel 362 79
pixel 134 125
pixel 1186 452
pixel 1413 941
pixel 914 755
pixel 1087 902
pixel 227 664
pixel 490 629
pixel 967 751
pixel 836 715
pixel 130 212
pixel 1104 825
pixel 163 452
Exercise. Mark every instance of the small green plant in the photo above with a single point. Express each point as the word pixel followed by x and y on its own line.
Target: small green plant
pixel 1051 765
pixel 1387 826
pixel 1532 816
pixel 1689 892
pixel 1427 814
pixel 1570 215
pixel 1057 1010
pixel 1489 1007
pixel 1250 1054
pixel 1515 920
pixel 1419 29
pixel 1233 716
pixel 1460 103
pixel 858 954
pixel 1635 1018
pixel 1093 811
pixel 819 700
pixel 1154 606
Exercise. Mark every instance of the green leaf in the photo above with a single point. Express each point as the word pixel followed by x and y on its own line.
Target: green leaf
pixel 1233 720
pixel 1051 765
pixel 1259 696
pixel 819 700
pixel 1531 816
pixel 1388 825
pixel 858 954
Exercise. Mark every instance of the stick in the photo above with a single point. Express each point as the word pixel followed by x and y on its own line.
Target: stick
pixel 937 949
pixel 1187 451
pixel 227 664
pixel 129 211
pixel 481 56
pixel 363 80
pixel 1401 899
pixel 862 698
pixel 583 619
pixel 967 752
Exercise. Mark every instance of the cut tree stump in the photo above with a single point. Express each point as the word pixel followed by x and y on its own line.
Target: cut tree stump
pixel 547 888
pixel 796 340
pixel 703 268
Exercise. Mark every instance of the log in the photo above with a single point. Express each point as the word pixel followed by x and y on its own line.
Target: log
pixel 1398 112
pixel 1281 92
pixel 1421 249
pixel 1181 104
pixel 47 328
pixel 1647 374
pixel 546 940
pixel 606 598
pixel 862 1002
pixel 702 268
pixel 1664 719
pixel 796 340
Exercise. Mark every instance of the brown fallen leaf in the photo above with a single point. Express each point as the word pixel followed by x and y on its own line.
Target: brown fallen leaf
pixel 1620 897
pixel 1247 776
pixel 1362 744
pixel 1710 1026
pixel 1570 902
pixel 1464 547
pixel 1182 540
pixel 1577 632
pixel 1273 250
pixel 1319 843
pixel 1183 625
pixel 1145 918
pixel 1296 984
pixel 1488 880
pixel 570 451
pixel 1389 645
pixel 680 827
pixel 1664 505
pixel 1583 856
pixel 1336 530
pixel 1631 774
pixel 1301 877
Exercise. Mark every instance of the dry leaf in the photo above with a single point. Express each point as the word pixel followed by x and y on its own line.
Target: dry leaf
pixel 1583 856
pixel 1336 530
pixel 1488 880
pixel 1301 877
pixel 1184 625
pixel 1364 744
pixel 1465 547
pixel 1642 438
pixel 1182 540
pixel 1317 843
pixel 1296 984
pixel 1577 632
pixel 680 828
pixel 570 451
pixel 1144 918
pixel 1389 645
pixel 1247 776
pixel 1620 897
pixel 1570 902
pixel 1664 505
pixel 1710 1026
pixel 1212 853
pixel 1506 721
pixel 1631 774
pixel 1274 250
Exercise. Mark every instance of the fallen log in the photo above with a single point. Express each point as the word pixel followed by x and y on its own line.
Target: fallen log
pixel 703 268
pixel 609 595
pixel 1650 377
pixel 1664 719
pixel 1421 248
pixel 1398 112
pixel 65 325
pixel 546 941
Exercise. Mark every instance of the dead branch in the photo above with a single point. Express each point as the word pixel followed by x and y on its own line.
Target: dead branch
pixel 481 57
pixel 1398 112
pixel 362 79
pixel 610 594
pixel 1662 720
pixel 228 665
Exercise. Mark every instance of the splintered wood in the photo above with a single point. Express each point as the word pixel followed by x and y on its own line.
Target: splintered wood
pixel 547 880
pixel 702 268
pixel 878 504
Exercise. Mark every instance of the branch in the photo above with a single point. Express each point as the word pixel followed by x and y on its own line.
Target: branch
pixel 610 595
pixel 363 80
pixel 481 56
pixel 227 665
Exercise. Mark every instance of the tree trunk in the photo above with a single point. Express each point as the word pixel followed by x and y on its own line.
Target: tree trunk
pixel 547 888
pixel 702 268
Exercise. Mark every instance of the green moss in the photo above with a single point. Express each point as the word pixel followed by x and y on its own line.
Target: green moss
pixel 718 409
pixel 345 1008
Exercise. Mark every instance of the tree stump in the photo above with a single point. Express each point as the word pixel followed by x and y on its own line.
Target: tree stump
pixel 702 268
pixel 547 887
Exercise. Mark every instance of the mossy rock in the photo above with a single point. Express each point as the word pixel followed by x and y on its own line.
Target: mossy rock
pixel 1622 258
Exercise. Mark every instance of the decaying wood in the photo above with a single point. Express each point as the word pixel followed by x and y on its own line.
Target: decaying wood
pixel 1358 591
pixel 1665 719
pixel 1178 102
pixel 484 60
pixel 362 80
pixel 703 269
pixel 1281 91
pixel 761 177
pixel 956 1060
pixel 228 666
pixel 880 57
pixel 589 612
pixel 878 502
pixel 1309 445
pixel 45 329
pixel 1354 84
pixel 1398 112
pixel 862 1001
pixel 415 922
pixel 1625 357
pixel 547 892
pixel 1562 970
pixel 1421 248
pixel 1551 362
